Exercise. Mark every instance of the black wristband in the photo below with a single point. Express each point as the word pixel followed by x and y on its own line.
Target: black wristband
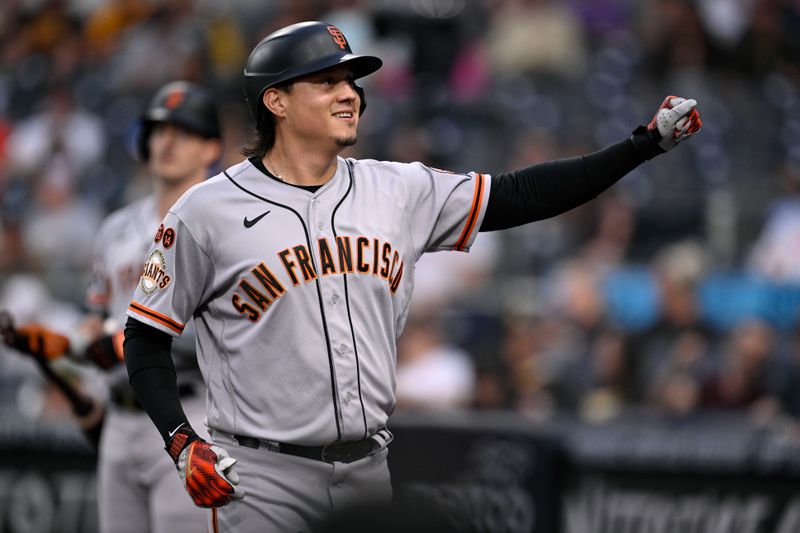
pixel 646 141
pixel 182 438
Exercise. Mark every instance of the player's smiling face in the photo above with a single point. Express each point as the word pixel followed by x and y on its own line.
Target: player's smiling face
pixel 324 106
pixel 177 154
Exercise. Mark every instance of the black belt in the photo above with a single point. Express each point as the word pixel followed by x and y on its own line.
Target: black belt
pixel 342 452
pixel 122 395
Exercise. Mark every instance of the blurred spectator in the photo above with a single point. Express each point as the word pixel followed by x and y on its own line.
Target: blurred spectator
pixel 227 48
pixel 675 384
pixel 613 232
pixel 770 42
pixel 587 358
pixel 432 374
pixel 675 40
pixel 440 44
pixel 530 37
pixel 109 20
pixel 48 26
pixel 443 278
pixel 775 254
pixel 61 142
pixel 493 388
pixel 528 370
pixel 174 35
pixel 680 340
pixel 59 227
pixel 49 154
pixel 606 381
pixel 787 379
pixel 744 379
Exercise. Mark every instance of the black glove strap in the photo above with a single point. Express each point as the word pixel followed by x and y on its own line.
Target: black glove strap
pixel 182 438
pixel 646 141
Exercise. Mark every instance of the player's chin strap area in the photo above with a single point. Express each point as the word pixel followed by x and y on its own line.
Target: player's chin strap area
pixel 339 452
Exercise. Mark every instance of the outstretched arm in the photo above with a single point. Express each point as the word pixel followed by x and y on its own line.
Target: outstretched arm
pixel 549 189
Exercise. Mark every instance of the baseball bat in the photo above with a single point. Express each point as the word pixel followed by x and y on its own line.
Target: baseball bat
pixel 88 413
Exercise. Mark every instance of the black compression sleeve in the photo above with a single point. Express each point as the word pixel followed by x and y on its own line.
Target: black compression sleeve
pixel 549 189
pixel 152 375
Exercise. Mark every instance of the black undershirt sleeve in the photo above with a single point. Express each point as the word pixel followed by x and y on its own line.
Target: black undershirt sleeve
pixel 152 375
pixel 554 187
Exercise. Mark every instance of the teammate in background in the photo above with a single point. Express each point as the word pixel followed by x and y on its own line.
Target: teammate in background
pixel 137 489
pixel 297 266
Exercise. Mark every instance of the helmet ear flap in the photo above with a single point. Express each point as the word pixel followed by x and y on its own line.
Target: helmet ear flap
pixel 360 91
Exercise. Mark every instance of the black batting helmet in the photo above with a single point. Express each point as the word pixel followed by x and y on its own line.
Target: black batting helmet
pixel 295 51
pixel 184 104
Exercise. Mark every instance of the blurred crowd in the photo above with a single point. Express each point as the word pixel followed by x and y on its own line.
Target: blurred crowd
pixel 676 291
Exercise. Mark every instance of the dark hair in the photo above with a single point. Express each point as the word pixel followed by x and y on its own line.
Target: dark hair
pixel 259 139
pixel 261 136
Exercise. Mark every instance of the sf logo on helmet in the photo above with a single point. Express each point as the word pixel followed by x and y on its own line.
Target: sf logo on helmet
pixel 338 36
pixel 174 99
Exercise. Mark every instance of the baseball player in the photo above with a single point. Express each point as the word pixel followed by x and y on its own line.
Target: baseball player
pixel 180 141
pixel 297 266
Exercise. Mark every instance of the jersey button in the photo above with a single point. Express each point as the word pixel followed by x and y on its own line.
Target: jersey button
pixel 343 349
pixel 335 298
pixel 320 226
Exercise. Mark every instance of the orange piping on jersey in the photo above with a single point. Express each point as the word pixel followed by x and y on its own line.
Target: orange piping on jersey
pixel 473 214
pixel 214 526
pixel 175 326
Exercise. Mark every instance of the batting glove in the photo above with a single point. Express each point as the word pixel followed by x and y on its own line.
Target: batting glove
pixel 206 470
pixel 33 339
pixel 676 120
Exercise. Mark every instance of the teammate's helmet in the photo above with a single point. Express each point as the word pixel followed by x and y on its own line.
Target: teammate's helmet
pixel 184 104
pixel 295 51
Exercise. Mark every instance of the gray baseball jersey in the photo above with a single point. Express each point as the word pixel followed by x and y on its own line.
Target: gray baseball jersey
pixel 137 490
pixel 299 297
pixel 122 241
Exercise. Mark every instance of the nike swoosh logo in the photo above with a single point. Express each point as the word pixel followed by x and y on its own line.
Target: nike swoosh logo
pixel 172 433
pixel 251 223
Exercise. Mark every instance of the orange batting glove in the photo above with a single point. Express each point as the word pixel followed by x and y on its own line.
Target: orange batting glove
pixel 205 469
pixel 34 339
